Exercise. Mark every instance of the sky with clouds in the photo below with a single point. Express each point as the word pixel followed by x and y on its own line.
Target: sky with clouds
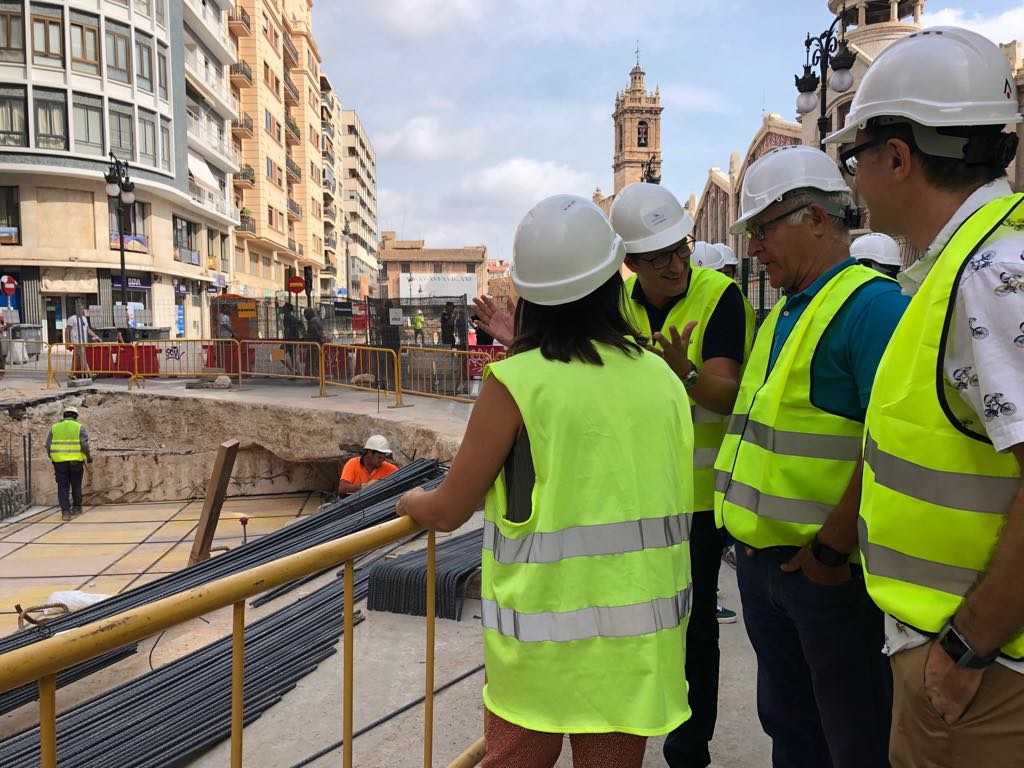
pixel 479 108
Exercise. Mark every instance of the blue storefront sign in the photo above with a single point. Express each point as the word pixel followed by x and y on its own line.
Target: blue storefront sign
pixel 135 282
pixel 180 310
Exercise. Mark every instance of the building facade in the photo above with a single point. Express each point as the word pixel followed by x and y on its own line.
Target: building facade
pixel 359 206
pixel 410 270
pixel 80 81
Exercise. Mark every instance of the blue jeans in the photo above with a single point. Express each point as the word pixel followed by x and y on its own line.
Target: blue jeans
pixel 69 484
pixel 824 689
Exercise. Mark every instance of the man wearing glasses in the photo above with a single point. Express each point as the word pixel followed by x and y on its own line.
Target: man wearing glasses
pixel 787 475
pixel 942 507
pixel 704 327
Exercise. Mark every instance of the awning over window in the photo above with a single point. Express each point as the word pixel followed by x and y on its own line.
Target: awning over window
pixel 201 172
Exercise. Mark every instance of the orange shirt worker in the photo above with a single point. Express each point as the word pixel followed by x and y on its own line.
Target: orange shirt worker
pixel 368 467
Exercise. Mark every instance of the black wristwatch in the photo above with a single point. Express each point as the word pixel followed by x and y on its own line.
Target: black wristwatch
pixel 960 651
pixel 825 555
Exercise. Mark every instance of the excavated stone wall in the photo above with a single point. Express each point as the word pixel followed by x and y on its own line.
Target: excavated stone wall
pixel 161 448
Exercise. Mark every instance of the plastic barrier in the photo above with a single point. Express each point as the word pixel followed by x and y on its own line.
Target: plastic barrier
pixel 442 373
pixel 359 367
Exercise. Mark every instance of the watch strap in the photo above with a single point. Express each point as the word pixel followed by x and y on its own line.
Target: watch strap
pixel 826 555
pixel 960 651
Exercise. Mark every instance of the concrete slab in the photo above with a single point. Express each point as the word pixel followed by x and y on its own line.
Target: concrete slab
pixel 58 560
pixel 90 534
pixel 31 531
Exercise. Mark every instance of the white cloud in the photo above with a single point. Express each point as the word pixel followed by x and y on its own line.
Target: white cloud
pixel 425 138
pixel 422 18
pixel 1001 28
pixel 520 182
pixel 694 98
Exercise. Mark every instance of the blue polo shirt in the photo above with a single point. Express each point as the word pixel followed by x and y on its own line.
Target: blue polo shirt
pixel 844 366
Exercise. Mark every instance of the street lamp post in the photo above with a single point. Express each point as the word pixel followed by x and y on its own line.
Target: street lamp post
pixel 346 234
pixel 830 50
pixel 121 189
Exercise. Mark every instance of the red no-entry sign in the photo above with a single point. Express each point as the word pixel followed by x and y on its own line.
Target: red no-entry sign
pixel 296 284
pixel 10 285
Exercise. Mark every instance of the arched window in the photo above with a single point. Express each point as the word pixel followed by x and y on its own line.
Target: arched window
pixel 641 134
pixel 618 137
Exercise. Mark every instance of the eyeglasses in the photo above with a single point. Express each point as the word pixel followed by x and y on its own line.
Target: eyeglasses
pixel 848 160
pixel 661 259
pixel 760 231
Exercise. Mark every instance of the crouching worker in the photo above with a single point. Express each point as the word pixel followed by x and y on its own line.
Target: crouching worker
pixel 368 467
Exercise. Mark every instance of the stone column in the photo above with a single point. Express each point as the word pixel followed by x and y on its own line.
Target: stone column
pixel 918 10
pixel 862 14
pixel 894 10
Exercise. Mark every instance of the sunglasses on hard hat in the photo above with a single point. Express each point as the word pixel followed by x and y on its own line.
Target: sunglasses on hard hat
pixel 661 259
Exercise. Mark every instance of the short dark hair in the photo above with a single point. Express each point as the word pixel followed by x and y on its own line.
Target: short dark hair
pixel 568 331
pixel 947 173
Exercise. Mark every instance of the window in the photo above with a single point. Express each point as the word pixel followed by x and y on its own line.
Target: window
pixel 88 112
pixel 471 269
pixel 10 217
pixel 641 133
pixel 268 121
pixel 144 62
pixel 51 118
pixel 47 35
pixel 147 137
pixel 12 37
pixel 136 223
pixel 270 214
pixel 144 7
pixel 122 137
pixel 186 241
pixel 165 144
pixel 254 263
pixel 161 71
pixel 406 267
pixel 85 43
pixel 118 48
pixel 437 268
pixel 161 13
pixel 13 124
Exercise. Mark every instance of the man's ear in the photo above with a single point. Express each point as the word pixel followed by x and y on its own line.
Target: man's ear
pixel 899 158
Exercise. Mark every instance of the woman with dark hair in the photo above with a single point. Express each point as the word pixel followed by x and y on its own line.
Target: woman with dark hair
pixel 586 571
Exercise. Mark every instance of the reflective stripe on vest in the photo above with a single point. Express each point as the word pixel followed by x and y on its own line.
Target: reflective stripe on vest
pixel 587 540
pixel 936 492
pixel 785 463
pixel 588 623
pixel 702 296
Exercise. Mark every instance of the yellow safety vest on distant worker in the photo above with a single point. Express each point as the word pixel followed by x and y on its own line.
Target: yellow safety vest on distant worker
pixel 585 604
pixel 936 492
pixel 66 442
pixel 417 322
pixel 785 463
pixel 702 297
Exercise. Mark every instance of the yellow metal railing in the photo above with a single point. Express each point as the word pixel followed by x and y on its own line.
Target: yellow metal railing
pixel 359 367
pixel 188 359
pixel 92 359
pixel 280 359
pixel 448 374
pixel 40 662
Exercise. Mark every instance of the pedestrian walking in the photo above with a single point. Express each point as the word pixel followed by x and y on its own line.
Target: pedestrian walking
pixel 314 333
pixel 704 327
pixel 788 470
pixel 68 447
pixel 942 507
pixel 448 325
pixel 586 578
pixel 77 334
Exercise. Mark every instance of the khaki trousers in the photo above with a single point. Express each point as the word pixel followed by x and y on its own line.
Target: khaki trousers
pixel 509 746
pixel 989 735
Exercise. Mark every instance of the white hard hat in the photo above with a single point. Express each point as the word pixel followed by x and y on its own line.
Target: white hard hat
pixel 942 76
pixel 649 218
pixel 780 171
pixel 728 255
pixel 564 249
pixel 378 443
pixel 72 409
pixel 878 248
pixel 706 255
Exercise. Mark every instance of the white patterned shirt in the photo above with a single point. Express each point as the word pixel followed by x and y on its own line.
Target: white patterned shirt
pixel 985 346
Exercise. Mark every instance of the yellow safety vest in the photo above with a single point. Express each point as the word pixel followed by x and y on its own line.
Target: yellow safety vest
pixel 585 604
pixel 785 463
pixel 66 441
pixel 702 297
pixel 935 493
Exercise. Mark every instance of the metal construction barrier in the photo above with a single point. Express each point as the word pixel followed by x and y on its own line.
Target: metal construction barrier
pixel 23 359
pixel 280 359
pixel 451 374
pixel 188 359
pixel 360 367
pixel 41 661
pixel 93 360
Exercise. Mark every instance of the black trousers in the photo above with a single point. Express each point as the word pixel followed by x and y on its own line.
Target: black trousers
pixel 687 745
pixel 69 484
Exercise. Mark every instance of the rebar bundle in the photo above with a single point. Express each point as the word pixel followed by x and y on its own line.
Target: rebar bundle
pixel 399 585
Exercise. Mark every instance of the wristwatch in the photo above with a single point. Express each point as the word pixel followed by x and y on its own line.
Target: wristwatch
pixel 690 380
pixel 825 555
pixel 960 651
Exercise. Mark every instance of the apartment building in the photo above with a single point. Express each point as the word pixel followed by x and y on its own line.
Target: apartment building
pixel 411 270
pixel 143 80
pixel 333 278
pixel 359 205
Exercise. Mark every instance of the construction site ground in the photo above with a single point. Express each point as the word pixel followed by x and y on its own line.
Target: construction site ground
pixel 113 547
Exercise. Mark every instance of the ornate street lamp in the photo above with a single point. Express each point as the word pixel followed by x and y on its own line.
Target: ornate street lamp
pixel 121 190
pixel 830 51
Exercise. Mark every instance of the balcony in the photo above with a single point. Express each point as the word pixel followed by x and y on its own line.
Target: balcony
pixel 206 22
pixel 211 84
pixel 292 134
pixel 292 245
pixel 328 156
pixel 246 177
pixel 241 74
pixel 242 126
pixel 331 243
pixel 239 21
pixel 327 99
pixel 330 188
pixel 290 51
pixel 327 129
pixel 212 201
pixel 294 169
pixel 330 212
pixel 246 227
pixel 294 209
pixel 211 144
pixel 291 92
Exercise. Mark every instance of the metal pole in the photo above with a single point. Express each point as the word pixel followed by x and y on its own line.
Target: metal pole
pixel 428 702
pixel 347 700
pixel 48 721
pixel 123 213
pixel 237 682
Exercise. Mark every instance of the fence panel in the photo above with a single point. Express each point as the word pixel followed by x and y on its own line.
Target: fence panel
pixel 360 367
pixel 92 360
pixel 23 359
pixel 449 374
pixel 188 359
pixel 280 359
